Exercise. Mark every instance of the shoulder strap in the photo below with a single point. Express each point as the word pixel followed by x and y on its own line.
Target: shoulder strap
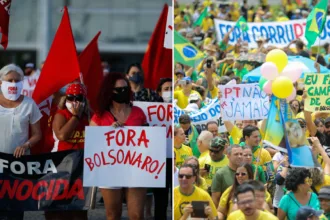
pixel 314 190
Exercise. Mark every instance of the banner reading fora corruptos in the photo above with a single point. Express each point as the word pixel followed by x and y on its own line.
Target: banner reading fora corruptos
pixel 210 112
pixel 279 33
pixel 125 157
pixel 159 115
pixel 318 92
pixel 243 102
pixel 43 182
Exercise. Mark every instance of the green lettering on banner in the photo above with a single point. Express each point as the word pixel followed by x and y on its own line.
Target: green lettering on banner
pixel 318 92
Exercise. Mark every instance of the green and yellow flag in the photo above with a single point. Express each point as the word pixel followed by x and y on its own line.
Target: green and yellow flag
pixel 185 52
pixel 200 18
pixel 315 22
pixel 242 24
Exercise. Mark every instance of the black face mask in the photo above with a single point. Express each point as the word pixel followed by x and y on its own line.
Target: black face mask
pixel 122 95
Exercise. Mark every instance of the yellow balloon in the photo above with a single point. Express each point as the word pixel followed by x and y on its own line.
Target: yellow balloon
pixel 278 57
pixel 282 87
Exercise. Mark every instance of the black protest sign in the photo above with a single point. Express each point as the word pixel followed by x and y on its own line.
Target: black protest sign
pixel 52 181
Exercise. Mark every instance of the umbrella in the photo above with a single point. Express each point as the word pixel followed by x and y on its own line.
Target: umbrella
pixel 306 64
pixel 252 58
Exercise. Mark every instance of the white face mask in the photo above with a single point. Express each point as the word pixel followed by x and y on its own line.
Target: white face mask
pixel 69 105
pixel 167 96
pixel 11 91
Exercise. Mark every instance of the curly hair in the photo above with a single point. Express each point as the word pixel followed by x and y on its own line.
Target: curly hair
pixel 105 95
pixel 295 178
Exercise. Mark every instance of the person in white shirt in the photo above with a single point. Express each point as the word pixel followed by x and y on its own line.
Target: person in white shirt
pixel 18 114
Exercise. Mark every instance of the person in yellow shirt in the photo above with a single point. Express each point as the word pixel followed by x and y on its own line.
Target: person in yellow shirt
pixel 261 156
pixel 187 192
pixel 216 159
pixel 207 23
pixel 234 13
pixel 246 201
pixel 181 151
pixel 203 144
pixel 182 95
pixel 200 181
pixel 243 173
pixel 179 19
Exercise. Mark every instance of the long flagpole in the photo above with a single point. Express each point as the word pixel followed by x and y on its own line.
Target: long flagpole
pixel 94 189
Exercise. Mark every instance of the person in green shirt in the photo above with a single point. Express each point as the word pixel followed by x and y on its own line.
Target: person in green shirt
pixel 247 158
pixel 324 198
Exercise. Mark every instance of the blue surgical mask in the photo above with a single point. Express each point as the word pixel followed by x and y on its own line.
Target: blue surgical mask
pixel 136 78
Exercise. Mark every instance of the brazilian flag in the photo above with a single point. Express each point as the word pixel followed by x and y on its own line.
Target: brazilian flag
pixel 185 52
pixel 242 24
pixel 315 22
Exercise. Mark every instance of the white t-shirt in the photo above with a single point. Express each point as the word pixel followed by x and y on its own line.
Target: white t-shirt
pixel 15 123
pixel 29 84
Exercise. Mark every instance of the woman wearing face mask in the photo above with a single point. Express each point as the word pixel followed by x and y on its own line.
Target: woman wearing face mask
pixel 70 120
pixel 135 78
pixel 115 109
pixel 69 129
pixel 18 114
pixel 164 89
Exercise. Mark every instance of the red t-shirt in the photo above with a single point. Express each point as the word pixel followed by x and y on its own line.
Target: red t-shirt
pixel 77 139
pixel 136 118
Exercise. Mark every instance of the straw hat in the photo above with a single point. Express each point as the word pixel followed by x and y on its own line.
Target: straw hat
pixel 210 47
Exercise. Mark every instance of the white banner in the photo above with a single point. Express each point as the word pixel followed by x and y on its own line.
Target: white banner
pixel 279 33
pixel 244 102
pixel 168 41
pixel 125 157
pixel 210 112
pixel 159 115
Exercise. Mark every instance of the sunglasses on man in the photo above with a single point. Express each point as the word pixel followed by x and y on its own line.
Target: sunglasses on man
pixel 188 176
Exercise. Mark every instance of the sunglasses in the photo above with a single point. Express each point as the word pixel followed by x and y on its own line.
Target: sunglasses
pixel 214 151
pixel 188 176
pixel 240 174
pixel 121 89
pixel 72 98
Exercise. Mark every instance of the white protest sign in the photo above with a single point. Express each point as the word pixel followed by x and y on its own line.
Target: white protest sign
pixel 125 157
pixel 210 112
pixel 29 84
pixel 159 115
pixel 279 33
pixel 243 102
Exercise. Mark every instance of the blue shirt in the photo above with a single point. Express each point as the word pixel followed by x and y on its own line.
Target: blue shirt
pixel 290 205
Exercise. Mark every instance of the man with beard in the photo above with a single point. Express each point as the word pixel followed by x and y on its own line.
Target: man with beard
pixel 31 76
pixel 224 177
pixel 246 202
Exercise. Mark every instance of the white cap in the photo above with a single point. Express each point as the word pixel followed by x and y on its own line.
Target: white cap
pixel 9 68
pixel 29 65
pixel 193 97
pixel 297 11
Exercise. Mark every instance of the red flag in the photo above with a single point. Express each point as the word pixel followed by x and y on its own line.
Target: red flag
pixel 91 68
pixel 4 22
pixel 157 61
pixel 61 66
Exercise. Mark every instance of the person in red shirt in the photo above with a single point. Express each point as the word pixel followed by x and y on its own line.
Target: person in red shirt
pixel 69 134
pixel 115 109
pixel 70 120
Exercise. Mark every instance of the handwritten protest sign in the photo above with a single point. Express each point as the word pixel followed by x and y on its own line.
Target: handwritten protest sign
pixel 318 92
pixel 125 157
pixel 279 33
pixel 210 112
pixel 159 115
pixel 244 102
